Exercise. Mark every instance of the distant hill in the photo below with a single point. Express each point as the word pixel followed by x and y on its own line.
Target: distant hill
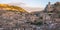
pixel 32 9
pixel 27 7
pixel 11 7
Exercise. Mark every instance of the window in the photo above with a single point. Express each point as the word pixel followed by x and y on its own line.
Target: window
pixel 41 18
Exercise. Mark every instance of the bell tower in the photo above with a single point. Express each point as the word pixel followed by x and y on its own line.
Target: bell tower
pixel 48 7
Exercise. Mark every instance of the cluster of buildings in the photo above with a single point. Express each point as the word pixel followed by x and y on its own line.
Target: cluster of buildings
pixel 49 18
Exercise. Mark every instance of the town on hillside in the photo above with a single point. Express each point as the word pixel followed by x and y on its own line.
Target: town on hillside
pixel 17 18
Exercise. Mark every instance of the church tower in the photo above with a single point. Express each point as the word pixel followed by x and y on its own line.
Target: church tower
pixel 48 7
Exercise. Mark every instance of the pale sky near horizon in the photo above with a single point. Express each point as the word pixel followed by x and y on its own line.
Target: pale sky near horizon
pixel 32 3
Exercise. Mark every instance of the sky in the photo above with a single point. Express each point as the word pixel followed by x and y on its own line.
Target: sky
pixel 32 3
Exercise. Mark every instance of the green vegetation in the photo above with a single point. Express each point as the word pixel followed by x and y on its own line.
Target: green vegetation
pixel 37 23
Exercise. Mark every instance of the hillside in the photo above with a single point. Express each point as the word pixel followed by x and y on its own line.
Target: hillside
pixel 11 7
pixel 16 18
pixel 32 9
